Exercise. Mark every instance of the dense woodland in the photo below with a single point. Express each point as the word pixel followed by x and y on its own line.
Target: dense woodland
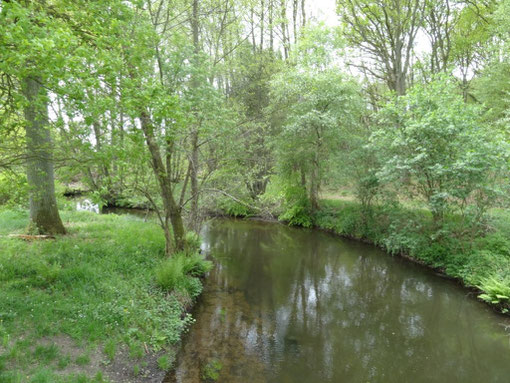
pixel 254 107
pixel 389 126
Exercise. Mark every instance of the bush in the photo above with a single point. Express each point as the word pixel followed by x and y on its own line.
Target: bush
pixel 195 265
pixel 495 291
pixel 192 242
pixel 170 274
pixel 296 206
pixel 496 243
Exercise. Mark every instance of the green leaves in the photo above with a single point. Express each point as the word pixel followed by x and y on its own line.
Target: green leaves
pixel 438 142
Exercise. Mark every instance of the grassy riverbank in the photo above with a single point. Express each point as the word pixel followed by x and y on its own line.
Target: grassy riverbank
pixel 479 262
pixel 479 259
pixel 86 307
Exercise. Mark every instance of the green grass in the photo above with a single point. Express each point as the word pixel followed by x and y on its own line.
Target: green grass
pixel 480 260
pixel 180 273
pixel 95 285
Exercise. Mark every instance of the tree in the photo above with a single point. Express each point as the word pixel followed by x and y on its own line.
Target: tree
pixel 36 39
pixel 440 19
pixel 433 143
pixel 318 108
pixel 385 30
pixel 44 216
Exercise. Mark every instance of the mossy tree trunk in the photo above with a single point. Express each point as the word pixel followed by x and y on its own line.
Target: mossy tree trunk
pixel 44 216
pixel 172 210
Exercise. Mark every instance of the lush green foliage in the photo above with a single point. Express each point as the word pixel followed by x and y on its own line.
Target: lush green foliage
pixel 180 272
pixel 433 143
pixel 95 286
pixel 318 110
pixel 241 107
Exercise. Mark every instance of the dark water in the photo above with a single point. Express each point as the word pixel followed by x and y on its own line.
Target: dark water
pixel 292 305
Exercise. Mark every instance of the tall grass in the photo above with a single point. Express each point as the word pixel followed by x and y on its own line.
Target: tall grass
pixel 180 273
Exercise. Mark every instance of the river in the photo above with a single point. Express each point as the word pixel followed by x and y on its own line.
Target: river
pixel 293 305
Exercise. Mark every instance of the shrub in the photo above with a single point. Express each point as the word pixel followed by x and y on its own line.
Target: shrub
pixel 13 190
pixel 235 209
pixel 496 243
pixel 165 362
pixel 296 207
pixel 193 287
pixel 195 265
pixel 192 242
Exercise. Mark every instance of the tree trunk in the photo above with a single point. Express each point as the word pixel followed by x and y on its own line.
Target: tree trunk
pixel 303 176
pixel 195 192
pixel 271 30
pixel 44 216
pixel 294 19
pixel 283 23
pixel 195 132
pixel 171 209
pixel 315 184
pixel 303 13
pixel 262 14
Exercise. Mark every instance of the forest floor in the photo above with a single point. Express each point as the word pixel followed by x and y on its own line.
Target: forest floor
pixel 84 307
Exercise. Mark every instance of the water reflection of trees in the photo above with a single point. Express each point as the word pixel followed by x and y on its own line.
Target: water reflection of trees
pixel 303 306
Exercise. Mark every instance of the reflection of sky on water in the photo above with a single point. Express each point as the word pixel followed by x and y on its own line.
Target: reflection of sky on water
pixel 288 305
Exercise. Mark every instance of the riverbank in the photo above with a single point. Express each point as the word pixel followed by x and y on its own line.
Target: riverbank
pixel 479 263
pixel 86 307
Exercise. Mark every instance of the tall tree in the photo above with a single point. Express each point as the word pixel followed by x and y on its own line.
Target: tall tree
pixel 318 109
pixel 440 20
pixel 36 39
pixel 385 30
pixel 44 216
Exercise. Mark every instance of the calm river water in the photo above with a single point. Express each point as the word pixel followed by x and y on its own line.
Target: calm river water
pixel 293 305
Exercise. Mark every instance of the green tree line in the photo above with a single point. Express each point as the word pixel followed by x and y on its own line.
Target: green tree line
pixel 188 107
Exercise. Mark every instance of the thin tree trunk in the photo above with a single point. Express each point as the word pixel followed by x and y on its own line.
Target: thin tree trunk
pixel 294 19
pixel 172 210
pixel 283 23
pixel 252 26
pixel 314 185
pixel 303 13
pixel 194 134
pixel 303 176
pixel 262 14
pixel 271 31
pixel 44 216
